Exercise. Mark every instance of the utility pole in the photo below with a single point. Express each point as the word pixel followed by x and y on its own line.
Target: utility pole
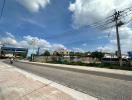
pixel 38 51
pixel 33 44
pixel 117 19
pixel 117 24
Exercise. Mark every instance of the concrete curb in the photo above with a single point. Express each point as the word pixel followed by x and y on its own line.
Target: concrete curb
pixel 83 69
pixel 75 94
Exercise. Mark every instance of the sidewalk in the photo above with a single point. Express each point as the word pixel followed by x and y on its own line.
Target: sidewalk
pixel 84 68
pixel 16 84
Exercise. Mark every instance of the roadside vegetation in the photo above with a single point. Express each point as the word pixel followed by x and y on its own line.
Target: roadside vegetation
pixel 59 58
pixel 99 65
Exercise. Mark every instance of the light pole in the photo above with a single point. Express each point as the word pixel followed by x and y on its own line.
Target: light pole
pixel 33 44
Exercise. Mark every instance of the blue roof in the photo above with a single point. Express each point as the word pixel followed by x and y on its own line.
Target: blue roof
pixel 14 49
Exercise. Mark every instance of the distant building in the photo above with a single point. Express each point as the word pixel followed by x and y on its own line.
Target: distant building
pixel 110 55
pixel 113 59
pixel 61 52
pixel 113 55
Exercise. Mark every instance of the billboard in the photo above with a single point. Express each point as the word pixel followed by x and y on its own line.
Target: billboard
pixel 12 51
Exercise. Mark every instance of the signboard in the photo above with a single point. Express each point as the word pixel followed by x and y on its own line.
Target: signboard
pixel 130 54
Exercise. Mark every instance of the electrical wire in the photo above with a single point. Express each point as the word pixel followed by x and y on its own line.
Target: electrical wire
pixel 110 32
pixel 2 9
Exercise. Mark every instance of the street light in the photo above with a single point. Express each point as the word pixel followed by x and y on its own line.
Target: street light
pixel 33 42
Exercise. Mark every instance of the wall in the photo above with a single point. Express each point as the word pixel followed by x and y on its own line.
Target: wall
pixel 66 58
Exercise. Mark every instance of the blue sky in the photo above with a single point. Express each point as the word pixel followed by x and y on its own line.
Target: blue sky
pixel 57 22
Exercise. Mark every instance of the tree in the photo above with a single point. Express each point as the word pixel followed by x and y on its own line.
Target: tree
pixel 71 54
pixel 2 53
pixel 87 54
pixel 77 54
pixel 46 54
pixel 97 54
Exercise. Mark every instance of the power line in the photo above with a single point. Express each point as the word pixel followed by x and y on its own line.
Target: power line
pixel 108 22
pixel 110 32
pixel 117 19
pixel 2 9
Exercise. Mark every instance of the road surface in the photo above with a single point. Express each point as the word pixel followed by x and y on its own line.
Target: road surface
pixel 104 87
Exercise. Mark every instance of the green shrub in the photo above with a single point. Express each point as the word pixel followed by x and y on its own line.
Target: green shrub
pixel 102 65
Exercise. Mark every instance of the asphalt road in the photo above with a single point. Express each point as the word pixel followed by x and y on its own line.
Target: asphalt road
pixel 104 88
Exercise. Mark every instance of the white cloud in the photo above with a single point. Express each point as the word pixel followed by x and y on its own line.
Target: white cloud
pixel 34 5
pixel 88 11
pixel 9 35
pixel 84 44
pixel 58 46
pixel 30 43
pixel 8 38
pixel 37 42
pixel 77 50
